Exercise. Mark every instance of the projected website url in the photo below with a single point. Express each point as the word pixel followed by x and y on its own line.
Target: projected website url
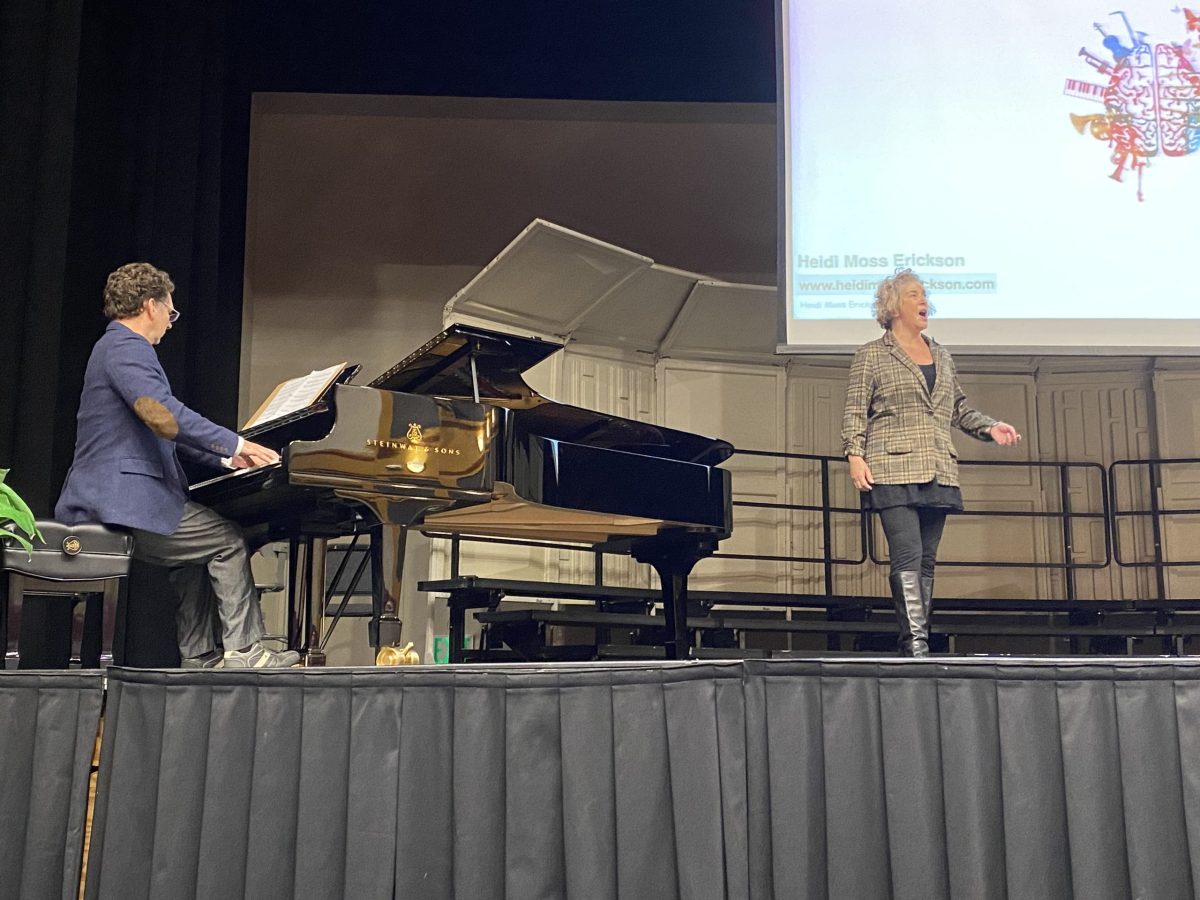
pixel 857 284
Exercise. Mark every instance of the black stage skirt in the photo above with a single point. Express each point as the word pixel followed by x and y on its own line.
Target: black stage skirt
pixel 931 493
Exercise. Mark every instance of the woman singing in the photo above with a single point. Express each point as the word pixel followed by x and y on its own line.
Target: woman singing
pixel 902 398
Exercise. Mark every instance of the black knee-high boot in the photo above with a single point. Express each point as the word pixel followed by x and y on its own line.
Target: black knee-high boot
pixel 911 613
pixel 927 601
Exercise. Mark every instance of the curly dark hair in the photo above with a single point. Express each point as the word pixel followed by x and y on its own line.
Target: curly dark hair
pixel 131 286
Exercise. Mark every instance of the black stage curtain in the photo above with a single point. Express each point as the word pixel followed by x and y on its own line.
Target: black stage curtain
pixel 39 49
pixel 124 140
pixel 144 632
pixel 48 726
pixel 903 779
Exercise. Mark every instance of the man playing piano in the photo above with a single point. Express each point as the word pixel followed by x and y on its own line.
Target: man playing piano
pixel 130 433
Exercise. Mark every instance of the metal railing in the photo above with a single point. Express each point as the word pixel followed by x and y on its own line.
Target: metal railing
pixel 1065 515
pixel 826 510
pixel 1102 485
pixel 1156 514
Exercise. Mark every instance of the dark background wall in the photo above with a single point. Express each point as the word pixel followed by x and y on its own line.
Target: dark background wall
pixel 126 129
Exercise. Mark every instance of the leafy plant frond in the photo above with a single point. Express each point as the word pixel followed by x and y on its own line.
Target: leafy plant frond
pixel 19 538
pixel 13 509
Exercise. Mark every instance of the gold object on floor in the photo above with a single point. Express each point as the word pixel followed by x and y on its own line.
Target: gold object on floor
pixel 398 656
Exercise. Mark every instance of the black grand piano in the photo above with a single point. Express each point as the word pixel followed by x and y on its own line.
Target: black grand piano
pixel 453 441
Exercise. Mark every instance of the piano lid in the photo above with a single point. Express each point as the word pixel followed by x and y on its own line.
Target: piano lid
pixel 443 365
pixel 443 368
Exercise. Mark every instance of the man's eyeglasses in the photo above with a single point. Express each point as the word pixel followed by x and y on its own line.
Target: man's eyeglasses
pixel 172 315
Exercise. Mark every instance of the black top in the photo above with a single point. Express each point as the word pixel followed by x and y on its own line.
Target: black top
pixel 930 373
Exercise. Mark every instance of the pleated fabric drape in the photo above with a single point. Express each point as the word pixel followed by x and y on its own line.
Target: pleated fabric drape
pixel 806 779
pixel 48 726
pixel 974 779
pixel 517 782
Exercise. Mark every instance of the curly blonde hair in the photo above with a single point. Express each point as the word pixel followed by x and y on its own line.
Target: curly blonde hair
pixel 131 286
pixel 887 296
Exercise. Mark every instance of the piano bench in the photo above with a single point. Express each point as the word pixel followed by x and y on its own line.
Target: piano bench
pixel 40 592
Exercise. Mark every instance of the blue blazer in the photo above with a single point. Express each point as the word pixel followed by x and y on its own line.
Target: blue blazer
pixel 130 429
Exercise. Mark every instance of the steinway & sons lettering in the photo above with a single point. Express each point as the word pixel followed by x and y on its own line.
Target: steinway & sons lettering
pixel 388 444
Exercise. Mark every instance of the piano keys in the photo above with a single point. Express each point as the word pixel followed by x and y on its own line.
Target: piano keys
pixel 1084 90
pixel 453 441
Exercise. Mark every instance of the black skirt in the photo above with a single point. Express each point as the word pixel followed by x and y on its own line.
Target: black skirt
pixel 931 493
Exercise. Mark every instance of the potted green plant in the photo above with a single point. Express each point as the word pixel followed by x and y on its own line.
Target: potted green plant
pixel 16 518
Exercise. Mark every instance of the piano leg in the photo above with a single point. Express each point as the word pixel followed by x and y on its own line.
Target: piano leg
pixel 673 556
pixel 315 608
pixel 387 569
pixel 306 587
pixel 674 589
pixel 295 590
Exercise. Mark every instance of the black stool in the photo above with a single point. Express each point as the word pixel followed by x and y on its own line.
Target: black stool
pixel 85 561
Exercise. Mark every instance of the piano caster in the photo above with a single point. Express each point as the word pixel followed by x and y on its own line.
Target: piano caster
pixel 314 657
pixel 398 656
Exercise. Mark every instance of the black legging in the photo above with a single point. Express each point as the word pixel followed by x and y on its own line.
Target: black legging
pixel 913 534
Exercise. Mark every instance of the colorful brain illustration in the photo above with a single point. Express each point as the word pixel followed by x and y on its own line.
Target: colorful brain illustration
pixel 1151 99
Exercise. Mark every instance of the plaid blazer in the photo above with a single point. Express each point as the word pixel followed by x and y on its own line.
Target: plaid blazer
pixel 893 421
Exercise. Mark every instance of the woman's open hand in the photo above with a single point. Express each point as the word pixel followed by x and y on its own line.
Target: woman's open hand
pixel 1004 434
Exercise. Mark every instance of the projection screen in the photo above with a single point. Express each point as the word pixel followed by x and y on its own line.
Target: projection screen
pixel 1037 164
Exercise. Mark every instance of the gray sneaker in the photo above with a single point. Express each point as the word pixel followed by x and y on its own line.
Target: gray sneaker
pixel 210 660
pixel 256 656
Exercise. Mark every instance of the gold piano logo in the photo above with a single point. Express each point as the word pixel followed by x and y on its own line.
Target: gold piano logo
pixel 416 452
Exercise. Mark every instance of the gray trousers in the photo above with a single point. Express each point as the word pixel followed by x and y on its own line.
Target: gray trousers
pixel 209 566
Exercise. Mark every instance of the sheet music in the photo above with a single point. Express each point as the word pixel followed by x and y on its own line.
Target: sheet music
pixel 295 394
